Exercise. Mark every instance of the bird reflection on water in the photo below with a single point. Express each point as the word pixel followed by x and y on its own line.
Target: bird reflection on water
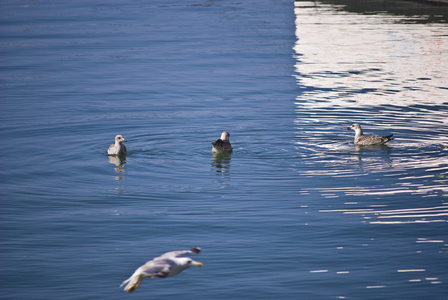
pixel 221 162
pixel 374 157
pixel 119 161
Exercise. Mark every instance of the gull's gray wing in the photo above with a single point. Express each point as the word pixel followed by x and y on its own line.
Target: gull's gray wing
pixel 194 250
pixel 374 140
pixel 157 268
pixel 370 140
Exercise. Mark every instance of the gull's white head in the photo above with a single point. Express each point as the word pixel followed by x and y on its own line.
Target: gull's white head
pixel 182 263
pixel 356 127
pixel 119 138
pixel 225 136
pixel 188 262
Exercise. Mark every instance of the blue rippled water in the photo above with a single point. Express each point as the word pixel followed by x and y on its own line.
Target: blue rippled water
pixel 295 212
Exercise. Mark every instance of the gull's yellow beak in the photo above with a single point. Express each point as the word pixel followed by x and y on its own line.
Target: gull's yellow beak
pixel 199 264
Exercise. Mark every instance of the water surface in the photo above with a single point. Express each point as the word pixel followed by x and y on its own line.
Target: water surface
pixel 296 212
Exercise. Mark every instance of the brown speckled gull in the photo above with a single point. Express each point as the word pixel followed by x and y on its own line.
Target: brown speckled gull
pixel 364 140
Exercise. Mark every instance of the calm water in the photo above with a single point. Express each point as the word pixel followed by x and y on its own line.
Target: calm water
pixel 296 212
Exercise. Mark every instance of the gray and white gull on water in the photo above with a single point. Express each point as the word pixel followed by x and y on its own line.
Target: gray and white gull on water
pixel 168 264
pixel 222 145
pixel 117 148
pixel 364 140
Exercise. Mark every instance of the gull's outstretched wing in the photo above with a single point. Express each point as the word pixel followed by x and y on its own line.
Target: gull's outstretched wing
pixel 178 253
pixel 157 268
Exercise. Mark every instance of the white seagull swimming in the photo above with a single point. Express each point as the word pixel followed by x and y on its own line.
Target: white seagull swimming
pixel 168 264
pixel 222 144
pixel 117 148
pixel 363 140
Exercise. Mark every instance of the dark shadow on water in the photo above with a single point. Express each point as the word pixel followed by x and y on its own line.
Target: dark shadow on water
pixel 417 11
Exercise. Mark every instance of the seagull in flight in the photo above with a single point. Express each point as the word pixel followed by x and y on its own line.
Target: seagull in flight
pixel 168 264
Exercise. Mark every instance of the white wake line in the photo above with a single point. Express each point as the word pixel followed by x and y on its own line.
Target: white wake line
pixel 413 210
pixel 414 216
pixel 411 213
pixel 436 209
pixel 407 222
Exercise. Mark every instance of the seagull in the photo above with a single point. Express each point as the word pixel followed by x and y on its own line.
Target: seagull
pixel 168 264
pixel 363 140
pixel 117 148
pixel 222 144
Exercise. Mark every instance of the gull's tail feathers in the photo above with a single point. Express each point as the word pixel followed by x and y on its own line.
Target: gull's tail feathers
pixel 132 282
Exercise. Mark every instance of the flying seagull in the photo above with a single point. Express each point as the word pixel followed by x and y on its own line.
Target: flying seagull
pixel 363 140
pixel 222 144
pixel 117 148
pixel 168 264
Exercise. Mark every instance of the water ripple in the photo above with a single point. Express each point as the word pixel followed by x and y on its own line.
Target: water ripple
pixel 435 214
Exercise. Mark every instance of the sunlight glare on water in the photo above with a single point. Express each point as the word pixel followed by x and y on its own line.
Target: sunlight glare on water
pixel 388 76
